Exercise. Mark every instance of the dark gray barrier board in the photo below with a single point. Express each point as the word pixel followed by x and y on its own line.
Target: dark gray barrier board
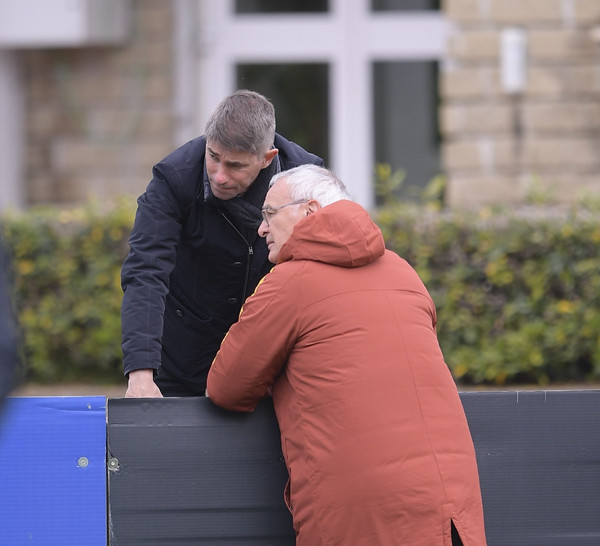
pixel 184 472
pixel 539 463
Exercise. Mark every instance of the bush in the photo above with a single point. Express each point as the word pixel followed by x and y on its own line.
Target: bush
pixel 517 293
pixel 67 289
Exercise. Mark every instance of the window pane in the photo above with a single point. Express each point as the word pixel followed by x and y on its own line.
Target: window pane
pixel 404 5
pixel 279 6
pixel 406 127
pixel 300 94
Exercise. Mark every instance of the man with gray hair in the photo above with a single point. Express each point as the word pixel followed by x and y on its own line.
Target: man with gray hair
pixel 342 333
pixel 195 254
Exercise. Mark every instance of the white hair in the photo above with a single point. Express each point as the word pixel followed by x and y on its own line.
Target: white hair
pixel 313 182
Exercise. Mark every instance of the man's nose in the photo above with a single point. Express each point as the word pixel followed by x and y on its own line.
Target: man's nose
pixel 263 228
pixel 221 176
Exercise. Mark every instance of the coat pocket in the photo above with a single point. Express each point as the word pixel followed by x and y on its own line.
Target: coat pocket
pixel 189 341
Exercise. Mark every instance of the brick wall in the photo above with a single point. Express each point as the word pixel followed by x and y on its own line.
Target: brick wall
pixel 98 118
pixel 544 141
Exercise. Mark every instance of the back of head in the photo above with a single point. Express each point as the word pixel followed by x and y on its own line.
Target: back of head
pixel 243 122
pixel 313 182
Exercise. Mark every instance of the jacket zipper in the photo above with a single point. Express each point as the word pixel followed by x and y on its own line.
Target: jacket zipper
pixel 250 254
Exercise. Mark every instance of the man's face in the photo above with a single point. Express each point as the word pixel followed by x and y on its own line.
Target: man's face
pixel 281 221
pixel 231 173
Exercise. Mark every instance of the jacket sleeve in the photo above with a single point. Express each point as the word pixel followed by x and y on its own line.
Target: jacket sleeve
pixel 9 339
pixel 146 270
pixel 257 347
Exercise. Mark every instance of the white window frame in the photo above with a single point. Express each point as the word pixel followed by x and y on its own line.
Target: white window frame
pixel 349 38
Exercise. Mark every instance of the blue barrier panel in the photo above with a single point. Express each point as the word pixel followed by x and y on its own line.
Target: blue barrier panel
pixel 53 471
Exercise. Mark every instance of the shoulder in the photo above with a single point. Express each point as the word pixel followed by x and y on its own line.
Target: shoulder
pixel 188 156
pixel 292 155
pixel 284 278
pixel 183 169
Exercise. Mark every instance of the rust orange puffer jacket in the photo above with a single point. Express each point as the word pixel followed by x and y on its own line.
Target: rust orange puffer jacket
pixel 372 428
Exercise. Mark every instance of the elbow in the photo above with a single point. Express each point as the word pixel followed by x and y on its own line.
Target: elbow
pixel 228 403
pixel 224 396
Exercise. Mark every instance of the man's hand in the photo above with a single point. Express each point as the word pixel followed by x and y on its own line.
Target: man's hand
pixel 141 385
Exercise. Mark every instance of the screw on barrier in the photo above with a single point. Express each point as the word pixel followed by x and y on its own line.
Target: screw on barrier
pixel 113 464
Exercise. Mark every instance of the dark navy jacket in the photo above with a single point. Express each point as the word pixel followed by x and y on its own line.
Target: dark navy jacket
pixel 9 335
pixel 190 267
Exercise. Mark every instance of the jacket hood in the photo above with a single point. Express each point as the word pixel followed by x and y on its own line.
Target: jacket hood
pixel 341 234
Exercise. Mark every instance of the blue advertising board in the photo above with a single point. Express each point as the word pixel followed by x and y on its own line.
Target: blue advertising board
pixel 53 471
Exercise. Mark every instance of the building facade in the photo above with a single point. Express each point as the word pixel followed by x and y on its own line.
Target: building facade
pixel 501 96
pixel 539 138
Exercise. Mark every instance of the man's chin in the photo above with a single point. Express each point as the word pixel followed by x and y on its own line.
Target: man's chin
pixel 224 195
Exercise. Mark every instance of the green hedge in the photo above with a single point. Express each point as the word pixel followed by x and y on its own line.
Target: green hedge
pixel 67 289
pixel 518 294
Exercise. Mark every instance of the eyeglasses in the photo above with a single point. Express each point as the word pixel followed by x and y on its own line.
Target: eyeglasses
pixel 269 212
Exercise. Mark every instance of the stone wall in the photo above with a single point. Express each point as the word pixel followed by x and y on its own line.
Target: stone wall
pixel 98 118
pixel 543 143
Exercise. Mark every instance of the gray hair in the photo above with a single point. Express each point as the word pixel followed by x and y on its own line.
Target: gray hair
pixel 313 182
pixel 243 122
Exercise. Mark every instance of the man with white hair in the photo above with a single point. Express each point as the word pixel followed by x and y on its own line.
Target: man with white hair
pixel 342 333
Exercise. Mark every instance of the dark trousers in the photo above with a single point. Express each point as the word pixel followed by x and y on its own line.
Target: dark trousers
pixel 456 541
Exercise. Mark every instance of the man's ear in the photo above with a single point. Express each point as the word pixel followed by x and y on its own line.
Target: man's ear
pixel 313 206
pixel 269 156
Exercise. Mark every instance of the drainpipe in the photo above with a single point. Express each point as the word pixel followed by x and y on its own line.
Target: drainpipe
pixel 12 192
pixel 185 68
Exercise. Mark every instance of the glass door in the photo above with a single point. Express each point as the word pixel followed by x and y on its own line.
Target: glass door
pixel 351 80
